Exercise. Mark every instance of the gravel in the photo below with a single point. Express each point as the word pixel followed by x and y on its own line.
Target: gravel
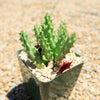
pixel 82 18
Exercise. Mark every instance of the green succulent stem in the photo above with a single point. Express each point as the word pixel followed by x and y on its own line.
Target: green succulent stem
pixel 32 52
pixel 54 46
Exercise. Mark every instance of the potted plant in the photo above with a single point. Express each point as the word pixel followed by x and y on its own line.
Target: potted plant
pixel 49 69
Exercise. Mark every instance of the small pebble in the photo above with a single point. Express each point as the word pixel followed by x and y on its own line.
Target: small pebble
pixel 60 98
pixel 2 97
pixel 23 57
pixel 99 67
pixel 41 78
pixel 38 74
pixel 77 89
pixel 50 64
pixel 88 76
pixel 88 68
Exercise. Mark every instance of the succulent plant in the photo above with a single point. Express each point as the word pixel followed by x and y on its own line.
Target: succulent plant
pixel 32 52
pixel 50 46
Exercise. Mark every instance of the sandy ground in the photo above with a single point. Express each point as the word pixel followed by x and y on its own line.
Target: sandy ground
pixel 83 18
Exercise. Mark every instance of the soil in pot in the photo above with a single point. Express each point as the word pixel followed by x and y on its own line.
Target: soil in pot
pixel 50 71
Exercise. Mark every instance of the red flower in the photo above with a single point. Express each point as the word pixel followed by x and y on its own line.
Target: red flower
pixel 39 48
pixel 64 66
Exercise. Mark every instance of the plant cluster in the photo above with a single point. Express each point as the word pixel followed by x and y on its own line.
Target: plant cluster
pixel 49 46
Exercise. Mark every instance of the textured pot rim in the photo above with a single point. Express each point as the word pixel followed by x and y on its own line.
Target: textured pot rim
pixel 19 51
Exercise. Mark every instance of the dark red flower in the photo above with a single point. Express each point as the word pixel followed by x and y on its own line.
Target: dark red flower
pixel 39 48
pixel 64 66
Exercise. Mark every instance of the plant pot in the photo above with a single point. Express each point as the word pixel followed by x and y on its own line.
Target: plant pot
pixel 60 86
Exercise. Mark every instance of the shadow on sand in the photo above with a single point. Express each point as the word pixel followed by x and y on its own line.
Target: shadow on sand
pixel 18 93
